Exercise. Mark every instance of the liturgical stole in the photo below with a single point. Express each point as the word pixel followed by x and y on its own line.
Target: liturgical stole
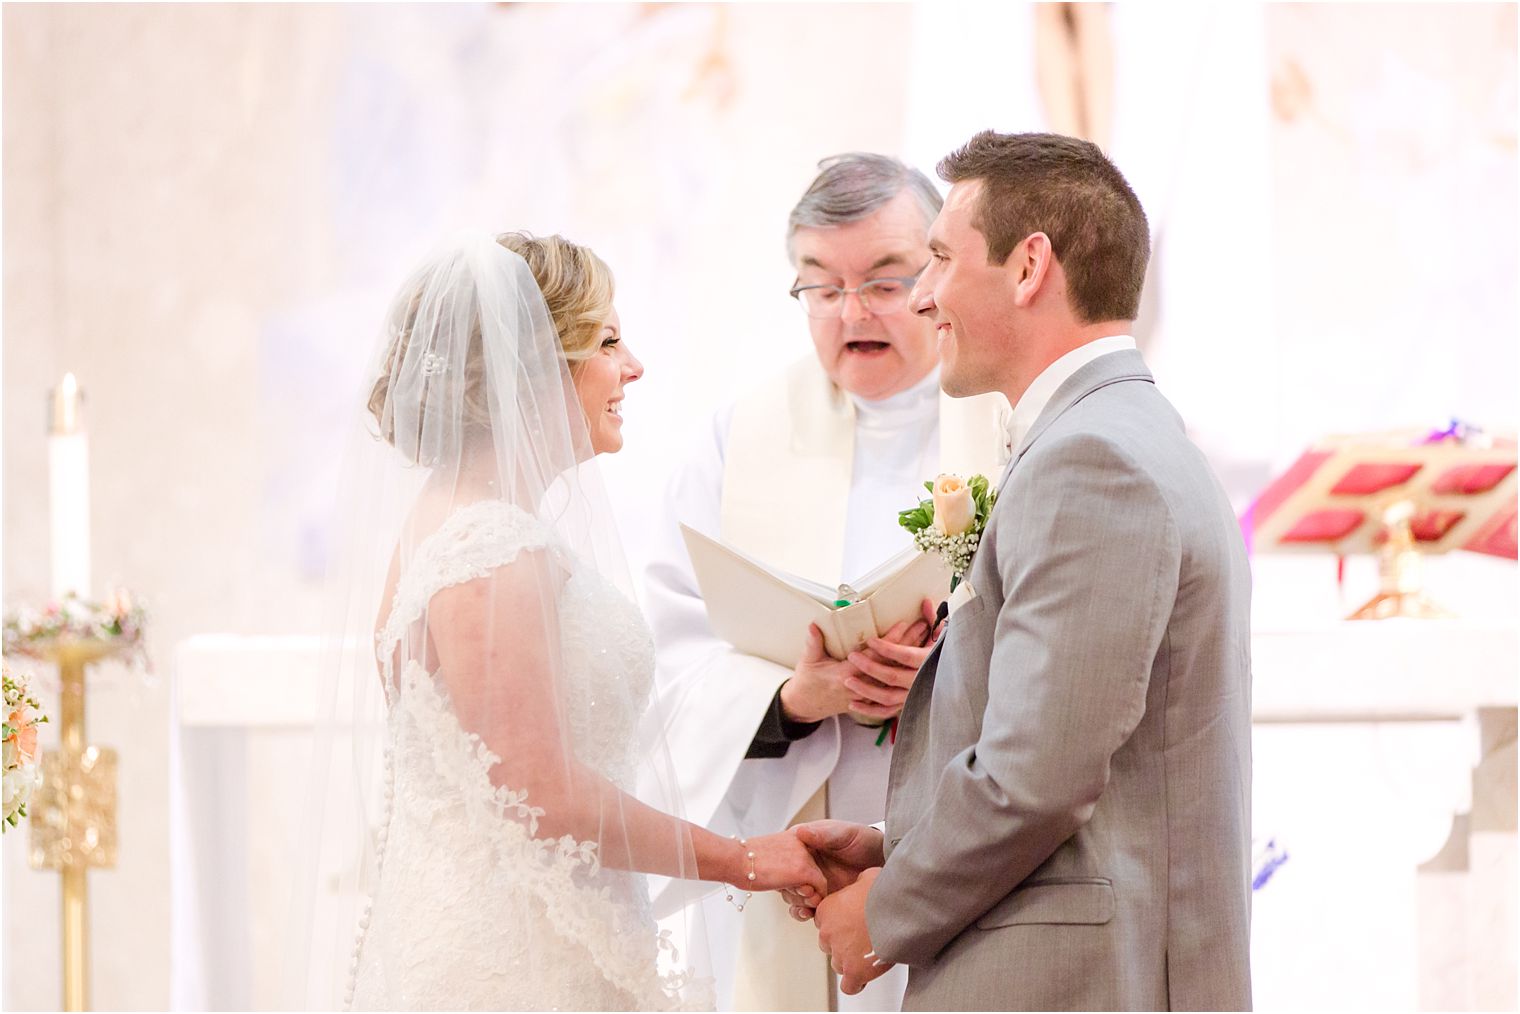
pixel 791 440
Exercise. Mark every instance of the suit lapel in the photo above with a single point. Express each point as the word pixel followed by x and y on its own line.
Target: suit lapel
pixel 914 716
pixel 1113 368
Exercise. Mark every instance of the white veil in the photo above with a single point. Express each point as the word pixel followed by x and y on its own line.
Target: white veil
pixel 479 579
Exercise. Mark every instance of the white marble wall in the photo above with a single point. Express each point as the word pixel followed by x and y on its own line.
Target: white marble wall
pixel 206 206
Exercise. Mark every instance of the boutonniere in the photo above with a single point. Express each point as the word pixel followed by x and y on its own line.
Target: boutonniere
pixel 951 522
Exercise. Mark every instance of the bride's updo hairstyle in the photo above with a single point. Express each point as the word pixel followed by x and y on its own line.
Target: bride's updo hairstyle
pixel 577 288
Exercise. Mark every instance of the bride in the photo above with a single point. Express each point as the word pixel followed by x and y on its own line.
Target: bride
pixel 501 725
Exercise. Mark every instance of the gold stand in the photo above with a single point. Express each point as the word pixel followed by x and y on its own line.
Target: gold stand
pixel 74 814
pixel 1399 564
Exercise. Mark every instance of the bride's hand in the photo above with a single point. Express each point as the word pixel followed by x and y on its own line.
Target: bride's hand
pixel 780 862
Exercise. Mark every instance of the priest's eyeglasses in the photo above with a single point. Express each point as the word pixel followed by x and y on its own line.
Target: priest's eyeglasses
pixel 879 296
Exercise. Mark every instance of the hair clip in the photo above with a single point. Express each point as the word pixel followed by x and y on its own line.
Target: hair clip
pixel 433 364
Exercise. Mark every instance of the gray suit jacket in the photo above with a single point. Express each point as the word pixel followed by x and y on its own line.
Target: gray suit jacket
pixel 1068 824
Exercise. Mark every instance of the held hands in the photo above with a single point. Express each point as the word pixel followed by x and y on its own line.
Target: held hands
pixel 808 862
pixel 850 857
pixel 842 851
pixel 824 869
pixel 780 862
pixel 873 683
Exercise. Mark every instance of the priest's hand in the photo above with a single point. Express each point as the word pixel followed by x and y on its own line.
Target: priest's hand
pixel 890 663
pixel 817 688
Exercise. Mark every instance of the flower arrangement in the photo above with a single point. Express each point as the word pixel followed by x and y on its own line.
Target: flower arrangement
pixel 951 522
pixel 18 745
pixel 119 619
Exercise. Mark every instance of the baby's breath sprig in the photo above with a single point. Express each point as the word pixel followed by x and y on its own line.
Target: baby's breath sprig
pixel 956 549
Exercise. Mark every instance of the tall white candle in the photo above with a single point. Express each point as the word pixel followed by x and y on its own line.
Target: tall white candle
pixel 69 490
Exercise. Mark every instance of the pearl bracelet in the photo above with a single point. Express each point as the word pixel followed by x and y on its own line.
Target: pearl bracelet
pixel 728 893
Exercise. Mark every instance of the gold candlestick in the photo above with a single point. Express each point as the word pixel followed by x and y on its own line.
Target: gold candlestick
pixel 73 815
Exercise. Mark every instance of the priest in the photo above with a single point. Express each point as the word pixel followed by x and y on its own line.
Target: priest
pixel 860 426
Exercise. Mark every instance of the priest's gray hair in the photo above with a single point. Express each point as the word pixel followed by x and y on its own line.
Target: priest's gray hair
pixel 852 186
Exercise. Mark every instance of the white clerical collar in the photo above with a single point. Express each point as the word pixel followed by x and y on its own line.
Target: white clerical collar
pixel 919 401
pixel 1034 400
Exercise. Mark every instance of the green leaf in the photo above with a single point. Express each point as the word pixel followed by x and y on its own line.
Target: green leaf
pixel 916 519
pixel 984 496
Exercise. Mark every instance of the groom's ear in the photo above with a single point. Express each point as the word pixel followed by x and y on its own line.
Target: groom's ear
pixel 1029 265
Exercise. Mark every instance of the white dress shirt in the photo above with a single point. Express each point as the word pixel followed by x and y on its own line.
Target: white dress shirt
pixel 1034 400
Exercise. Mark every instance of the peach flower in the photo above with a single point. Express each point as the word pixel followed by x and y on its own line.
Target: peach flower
pixel 25 734
pixel 954 507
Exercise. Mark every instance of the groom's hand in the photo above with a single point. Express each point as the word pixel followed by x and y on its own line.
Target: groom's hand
pixel 843 936
pixel 842 850
pixel 890 663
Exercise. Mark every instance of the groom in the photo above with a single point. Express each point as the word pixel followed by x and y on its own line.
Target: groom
pixel 1068 823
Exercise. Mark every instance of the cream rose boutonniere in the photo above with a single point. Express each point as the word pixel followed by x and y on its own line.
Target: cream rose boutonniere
pixel 954 505
pixel 951 522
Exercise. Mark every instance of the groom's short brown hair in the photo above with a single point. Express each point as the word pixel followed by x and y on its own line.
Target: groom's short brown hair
pixel 1066 188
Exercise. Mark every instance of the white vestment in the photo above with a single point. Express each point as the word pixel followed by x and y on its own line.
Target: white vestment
pixel 810 480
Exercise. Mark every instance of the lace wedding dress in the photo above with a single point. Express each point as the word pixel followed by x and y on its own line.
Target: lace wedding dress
pixel 472 910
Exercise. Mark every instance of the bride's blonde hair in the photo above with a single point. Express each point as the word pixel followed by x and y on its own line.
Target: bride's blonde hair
pixel 577 288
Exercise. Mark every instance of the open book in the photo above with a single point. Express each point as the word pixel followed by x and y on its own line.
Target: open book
pixel 765 612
